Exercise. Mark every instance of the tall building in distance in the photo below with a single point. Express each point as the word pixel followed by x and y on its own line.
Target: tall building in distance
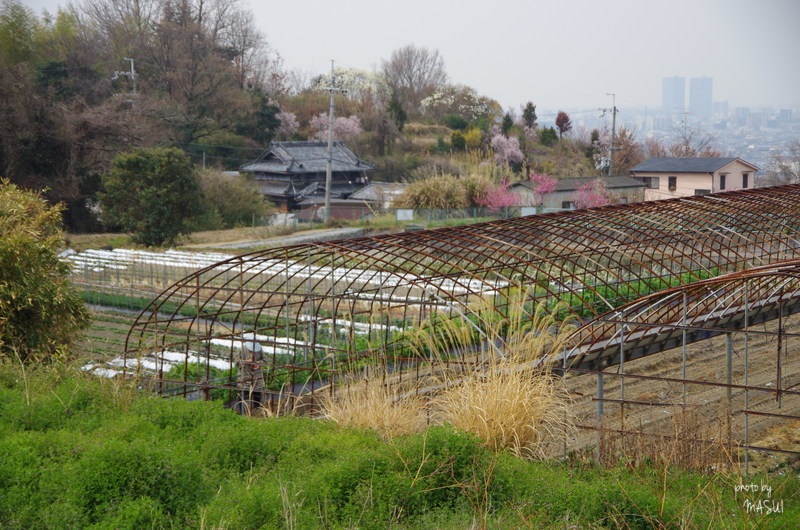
pixel 673 94
pixel 700 104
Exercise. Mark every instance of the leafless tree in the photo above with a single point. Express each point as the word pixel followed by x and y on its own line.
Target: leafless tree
pixel 629 151
pixel 784 168
pixel 694 143
pixel 654 148
pixel 254 63
pixel 119 27
pixel 413 74
pixel 187 66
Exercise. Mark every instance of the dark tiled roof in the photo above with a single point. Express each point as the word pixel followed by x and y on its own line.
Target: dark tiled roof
pixel 686 165
pixel 275 189
pixel 572 184
pixel 305 157
pixel 340 190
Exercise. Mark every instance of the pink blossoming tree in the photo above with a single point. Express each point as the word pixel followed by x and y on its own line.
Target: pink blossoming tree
pixel 344 129
pixel 543 185
pixel 288 126
pixel 497 197
pixel 591 195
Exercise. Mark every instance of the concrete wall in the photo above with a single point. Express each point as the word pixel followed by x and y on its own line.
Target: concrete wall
pixel 557 199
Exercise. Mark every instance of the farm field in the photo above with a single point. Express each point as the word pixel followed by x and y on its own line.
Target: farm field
pixel 105 337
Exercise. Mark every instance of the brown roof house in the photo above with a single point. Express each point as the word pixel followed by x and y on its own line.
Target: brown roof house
pixel 681 177
pixel 620 190
pixel 292 174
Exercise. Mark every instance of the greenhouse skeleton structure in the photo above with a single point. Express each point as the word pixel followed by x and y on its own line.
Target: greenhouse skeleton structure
pixel 637 279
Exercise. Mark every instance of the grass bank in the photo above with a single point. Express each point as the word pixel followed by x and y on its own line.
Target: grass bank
pixel 77 451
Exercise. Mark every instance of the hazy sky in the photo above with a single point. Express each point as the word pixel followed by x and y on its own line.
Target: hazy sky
pixel 556 53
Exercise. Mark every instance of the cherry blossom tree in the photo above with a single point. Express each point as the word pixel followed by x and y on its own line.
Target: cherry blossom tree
pixel 543 185
pixel 288 126
pixel 507 151
pixel 591 195
pixel 601 149
pixel 344 129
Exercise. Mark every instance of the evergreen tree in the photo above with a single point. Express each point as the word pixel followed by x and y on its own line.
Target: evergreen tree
pixel 153 193
pixel 529 115
pixel 508 122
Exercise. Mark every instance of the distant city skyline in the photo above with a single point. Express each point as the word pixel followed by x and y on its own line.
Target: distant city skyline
pixel 673 94
pixel 566 54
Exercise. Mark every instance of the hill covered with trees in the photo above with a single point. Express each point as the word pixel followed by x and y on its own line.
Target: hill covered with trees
pixel 105 77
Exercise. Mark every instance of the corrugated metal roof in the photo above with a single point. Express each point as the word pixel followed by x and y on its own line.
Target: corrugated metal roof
pixel 686 165
pixel 378 191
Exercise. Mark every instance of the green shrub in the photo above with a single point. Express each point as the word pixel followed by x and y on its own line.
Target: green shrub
pixel 441 145
pixel 114 472
pixel 548 136
pixel 456 121
pixel 443 463
pixel 40 314
pixel 108 459
pixel 458 141
pixel 229 201
pixel 245 445
pixel 141 512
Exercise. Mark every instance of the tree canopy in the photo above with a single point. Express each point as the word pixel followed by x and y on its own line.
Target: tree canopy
pixel 563 122
pixel 153 193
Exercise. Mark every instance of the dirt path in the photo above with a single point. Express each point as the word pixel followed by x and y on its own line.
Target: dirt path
pixel 325 234
pixel 706 361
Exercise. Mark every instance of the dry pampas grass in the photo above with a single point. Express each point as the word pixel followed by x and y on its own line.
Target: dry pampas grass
pixel 506 394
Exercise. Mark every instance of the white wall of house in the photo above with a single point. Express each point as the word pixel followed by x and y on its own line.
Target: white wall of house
pixel 688 184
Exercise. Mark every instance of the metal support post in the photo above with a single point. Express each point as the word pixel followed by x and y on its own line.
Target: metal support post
pixel 729 366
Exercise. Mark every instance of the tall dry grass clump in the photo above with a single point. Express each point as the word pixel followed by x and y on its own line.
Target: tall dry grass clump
pixel 514 401
pixel 391 410
pixel 523 410
pixel 488 373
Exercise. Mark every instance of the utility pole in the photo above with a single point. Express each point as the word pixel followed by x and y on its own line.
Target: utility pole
pixel 326 215
pixel 685 147
pixel 613 111
pixel 131 74
pixel 613 133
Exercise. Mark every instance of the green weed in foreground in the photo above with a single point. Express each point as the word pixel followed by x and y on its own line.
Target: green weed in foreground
pixel 82 452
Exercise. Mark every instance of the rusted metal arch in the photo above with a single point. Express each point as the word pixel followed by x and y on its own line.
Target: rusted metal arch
pixel 703 309
pixel 292 295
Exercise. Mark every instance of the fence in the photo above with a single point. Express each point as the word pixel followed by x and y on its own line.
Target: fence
pixel 399 216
